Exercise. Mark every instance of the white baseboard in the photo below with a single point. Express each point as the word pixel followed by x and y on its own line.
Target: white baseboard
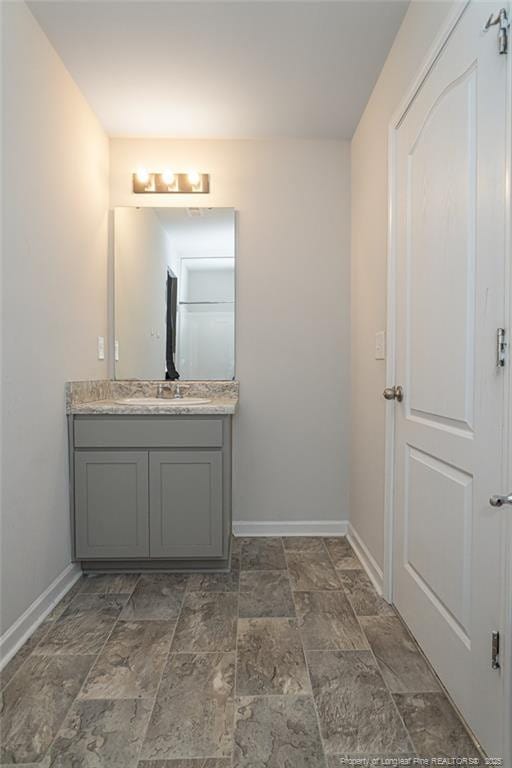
pixel 294 528
pixel 369 563
pixel 19 632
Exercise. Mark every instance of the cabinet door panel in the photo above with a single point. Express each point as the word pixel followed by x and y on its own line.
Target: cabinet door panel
pixel 186 504
pixel 111 504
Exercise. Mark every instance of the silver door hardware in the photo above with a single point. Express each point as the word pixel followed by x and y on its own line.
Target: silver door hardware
pixel 501 346
pixel 500 20
pixel 499 501
pixel 394 393
pixel 495 650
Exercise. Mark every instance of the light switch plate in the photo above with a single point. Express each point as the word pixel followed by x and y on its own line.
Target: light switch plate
pixel 380 345
pixel 101 347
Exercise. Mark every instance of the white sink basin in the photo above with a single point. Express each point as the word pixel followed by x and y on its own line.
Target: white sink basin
pixel 179 401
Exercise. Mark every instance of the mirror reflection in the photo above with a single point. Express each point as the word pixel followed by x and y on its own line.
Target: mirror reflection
pixel 174 293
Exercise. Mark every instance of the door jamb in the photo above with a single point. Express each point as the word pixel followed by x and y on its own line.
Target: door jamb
pixel 507 443
pixel 430 60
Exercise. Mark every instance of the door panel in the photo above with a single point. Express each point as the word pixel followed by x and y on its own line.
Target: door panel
pixel 441 256
pixel 450 209
pixel 186 507
pixel 437 542
pixel 111 504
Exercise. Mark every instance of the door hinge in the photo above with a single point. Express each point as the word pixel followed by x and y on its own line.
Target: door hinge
pixel 500 20
pixel 495 653
pixel 501 348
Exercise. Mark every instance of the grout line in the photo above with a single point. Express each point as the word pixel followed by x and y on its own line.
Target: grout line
pixel 369 649
pixel 29 655
pixel 161 677
pixel 386 686
pixel 306 663
pixel 235 677
pixel 442 690
pixel 73 703
pixel 51 624
pixel 391 693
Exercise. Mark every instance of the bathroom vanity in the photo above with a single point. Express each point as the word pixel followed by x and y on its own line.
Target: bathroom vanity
pixel 150 450
pixel 151 476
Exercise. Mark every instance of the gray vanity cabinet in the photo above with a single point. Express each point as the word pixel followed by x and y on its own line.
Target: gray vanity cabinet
pixel 151 491
pixel 186 503
pixel 111 504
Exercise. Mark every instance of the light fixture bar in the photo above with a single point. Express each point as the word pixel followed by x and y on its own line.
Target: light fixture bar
pixel 169 183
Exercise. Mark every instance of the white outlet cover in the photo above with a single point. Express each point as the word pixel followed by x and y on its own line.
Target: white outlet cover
pixel 101 347
pixel 380 345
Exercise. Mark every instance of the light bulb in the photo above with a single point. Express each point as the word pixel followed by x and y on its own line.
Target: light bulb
pixel 142 176
pixel 168 177
pixel 194 178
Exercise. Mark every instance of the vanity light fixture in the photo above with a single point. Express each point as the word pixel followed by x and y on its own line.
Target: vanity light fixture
pixel 142 176
pixel 168 177
pixel 167 182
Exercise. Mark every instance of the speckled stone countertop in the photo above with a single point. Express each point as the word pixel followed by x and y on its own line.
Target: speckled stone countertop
pixel 104 396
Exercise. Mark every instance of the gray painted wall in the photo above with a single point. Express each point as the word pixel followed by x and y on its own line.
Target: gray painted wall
pixel 292 343
pixel 55 208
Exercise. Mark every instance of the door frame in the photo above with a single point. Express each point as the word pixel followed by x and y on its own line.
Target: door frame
pixel 389 487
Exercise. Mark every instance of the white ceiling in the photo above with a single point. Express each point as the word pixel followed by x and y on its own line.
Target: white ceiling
pixel 213 232
pixel 224 69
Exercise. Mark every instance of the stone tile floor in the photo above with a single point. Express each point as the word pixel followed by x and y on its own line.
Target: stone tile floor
pixel 292 660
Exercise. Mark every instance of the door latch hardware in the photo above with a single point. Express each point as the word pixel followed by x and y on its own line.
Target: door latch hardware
pixel 394 393
pixel 499 501
pixel 500 20
pixel 501 347
pixel 495 657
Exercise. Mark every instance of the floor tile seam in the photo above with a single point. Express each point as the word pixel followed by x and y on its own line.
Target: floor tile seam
pixel 158 759
pixel 134 698
pixel 315 708
pixel 387 687
pixel 339 588
pixel 77 697
pixel 159 684
pixel 331 560
pixel 304 695
pixel 263 570
pixel 288 576
pixel 51 624
pixel 418 649
pixel 235 674
pixel 347 595
pixel 392 693
pixel 330 591
pixel 441 689
pixel 249 618
pixel 107 594
pixel 268 618
pixel 23 663
pixel 308 551
pixel 200 653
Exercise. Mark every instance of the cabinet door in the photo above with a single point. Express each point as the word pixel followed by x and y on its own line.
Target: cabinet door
pixel 111 504
pixel 186 503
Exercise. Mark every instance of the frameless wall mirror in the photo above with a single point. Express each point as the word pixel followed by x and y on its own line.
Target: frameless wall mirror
pixel 174 293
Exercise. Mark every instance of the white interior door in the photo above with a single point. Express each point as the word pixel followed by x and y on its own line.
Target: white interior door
pixel 450 208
